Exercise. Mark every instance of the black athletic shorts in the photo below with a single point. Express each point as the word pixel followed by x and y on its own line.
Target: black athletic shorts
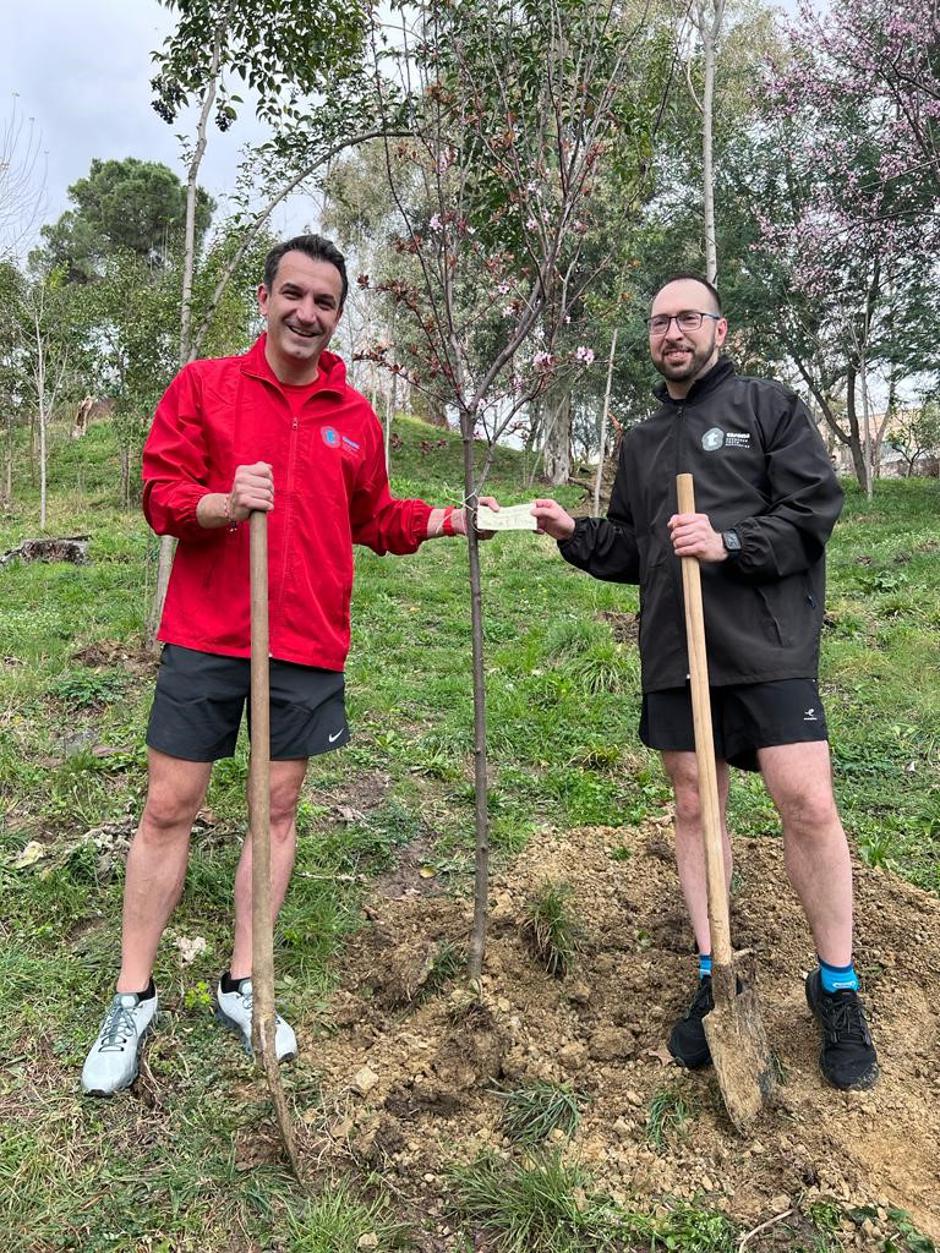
pixel 197 707
pixel 745 717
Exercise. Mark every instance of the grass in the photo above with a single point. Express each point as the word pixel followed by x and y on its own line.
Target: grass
pixel 669 1111
pixel 547 1206
pixel 550 929
pixel 534 1111
pixel 563 703
pixel 339 1221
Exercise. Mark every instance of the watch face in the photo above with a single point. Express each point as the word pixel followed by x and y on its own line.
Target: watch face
pixel 732 541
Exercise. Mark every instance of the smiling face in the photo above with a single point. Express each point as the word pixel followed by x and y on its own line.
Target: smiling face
pixel 302 310
pixel 681 357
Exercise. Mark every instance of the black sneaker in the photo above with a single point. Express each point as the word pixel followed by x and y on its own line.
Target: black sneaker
pixel 848 1059
pixel 687 1041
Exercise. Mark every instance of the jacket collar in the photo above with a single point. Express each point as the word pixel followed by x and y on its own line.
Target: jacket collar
pixel 722 369
pixel 331 379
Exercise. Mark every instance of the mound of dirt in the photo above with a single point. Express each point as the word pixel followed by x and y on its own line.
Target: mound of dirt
pixel 410 1071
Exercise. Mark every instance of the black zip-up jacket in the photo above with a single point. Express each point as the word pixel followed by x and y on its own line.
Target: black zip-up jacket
pixel 760 468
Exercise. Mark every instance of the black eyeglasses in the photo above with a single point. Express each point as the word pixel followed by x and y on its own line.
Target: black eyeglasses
pixel 688 320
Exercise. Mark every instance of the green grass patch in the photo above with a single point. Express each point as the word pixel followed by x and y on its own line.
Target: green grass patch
pixel 550 928
pixel 563 705
pixel 534 1111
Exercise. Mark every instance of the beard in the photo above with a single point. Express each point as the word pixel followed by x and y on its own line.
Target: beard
pixel 690 360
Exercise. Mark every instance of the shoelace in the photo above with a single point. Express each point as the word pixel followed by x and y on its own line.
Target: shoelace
pixel 247 999
pixel 845 1019
pixel 117 1029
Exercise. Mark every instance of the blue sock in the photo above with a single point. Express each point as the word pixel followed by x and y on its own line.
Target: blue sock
pixel 704 964
pixel 838 978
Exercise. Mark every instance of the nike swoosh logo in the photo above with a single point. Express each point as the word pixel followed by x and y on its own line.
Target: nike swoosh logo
pixel 335 737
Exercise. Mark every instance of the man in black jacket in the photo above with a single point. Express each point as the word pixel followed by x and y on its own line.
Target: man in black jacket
pixel 766 500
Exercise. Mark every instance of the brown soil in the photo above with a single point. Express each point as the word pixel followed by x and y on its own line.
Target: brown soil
pixel 137 660
pixel 429 1097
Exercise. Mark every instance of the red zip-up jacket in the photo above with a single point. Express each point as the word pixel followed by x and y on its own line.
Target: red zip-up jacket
pixel 330 491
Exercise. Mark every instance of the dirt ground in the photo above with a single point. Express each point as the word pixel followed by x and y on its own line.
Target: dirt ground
pixel 410 1080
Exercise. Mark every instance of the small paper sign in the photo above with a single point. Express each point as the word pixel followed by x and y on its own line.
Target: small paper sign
pixel 509 518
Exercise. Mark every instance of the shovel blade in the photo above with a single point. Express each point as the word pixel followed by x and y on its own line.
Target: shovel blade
pixel 739 1049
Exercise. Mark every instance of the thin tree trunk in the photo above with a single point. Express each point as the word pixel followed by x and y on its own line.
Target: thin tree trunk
pixel 556 455
pixel 602 432
pixel 389 419
pixel 41 406
pixel 8 494
pixel 867 441
pixel 125 476
pixel 482 855
pixel 856 448
pixel 189 239
pixel 709 28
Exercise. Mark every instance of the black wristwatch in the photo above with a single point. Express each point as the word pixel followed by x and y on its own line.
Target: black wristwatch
pixel 732 543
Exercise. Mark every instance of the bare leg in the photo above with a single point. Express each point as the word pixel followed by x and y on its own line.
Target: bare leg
pixel 799 780
pixel 286 781
pixel 156 863
pixel 690 852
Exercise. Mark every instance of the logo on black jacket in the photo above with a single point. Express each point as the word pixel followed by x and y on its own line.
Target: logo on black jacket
pixel 717 438
pixel 714 439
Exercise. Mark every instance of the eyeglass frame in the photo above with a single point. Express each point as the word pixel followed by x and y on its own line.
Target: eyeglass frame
pixel 674 317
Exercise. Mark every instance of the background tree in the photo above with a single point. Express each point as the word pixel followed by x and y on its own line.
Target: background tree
pixel 848 225
pixel 48 352
pixel 915 432
pixel 129 207
pixel 22 181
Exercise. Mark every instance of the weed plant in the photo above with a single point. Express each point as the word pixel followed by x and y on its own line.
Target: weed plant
pixel 550 929
pixel 669 1111
pixel 534 1111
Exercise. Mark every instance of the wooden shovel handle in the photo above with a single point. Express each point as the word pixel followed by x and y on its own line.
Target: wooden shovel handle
pixel 718 920
pixel 259 789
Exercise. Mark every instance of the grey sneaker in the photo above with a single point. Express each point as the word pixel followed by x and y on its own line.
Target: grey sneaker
pixel 234 1011
pixel 112 1063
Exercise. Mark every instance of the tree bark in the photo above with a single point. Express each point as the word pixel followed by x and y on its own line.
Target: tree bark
pixel 482 822
pixel 602 431
pixel 709 28
pixel 556 454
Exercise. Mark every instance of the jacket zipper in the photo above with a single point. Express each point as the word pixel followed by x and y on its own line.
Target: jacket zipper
pixel 677 565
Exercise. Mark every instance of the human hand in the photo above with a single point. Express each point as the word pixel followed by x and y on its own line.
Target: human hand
pixel 552 519
pixel 252 490
pixel 458 518
pixel 692 535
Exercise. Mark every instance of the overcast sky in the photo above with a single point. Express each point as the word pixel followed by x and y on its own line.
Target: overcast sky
pixel 82 70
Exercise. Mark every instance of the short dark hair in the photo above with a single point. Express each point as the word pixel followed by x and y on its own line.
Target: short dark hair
pixel 690 275
pixel 313 246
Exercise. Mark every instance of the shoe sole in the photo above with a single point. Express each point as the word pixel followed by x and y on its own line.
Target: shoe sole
pixel 866 1080
pixel 231 1025
pixel 100 1092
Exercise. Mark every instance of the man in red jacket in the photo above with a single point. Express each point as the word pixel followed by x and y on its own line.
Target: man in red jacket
pixel 279 430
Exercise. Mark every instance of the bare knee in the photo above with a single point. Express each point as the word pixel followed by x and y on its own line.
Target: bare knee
pixel 808 814
pixel 283 812
pixel 169 814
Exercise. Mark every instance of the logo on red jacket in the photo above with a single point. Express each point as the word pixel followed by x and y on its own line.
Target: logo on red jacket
pixel 330 437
